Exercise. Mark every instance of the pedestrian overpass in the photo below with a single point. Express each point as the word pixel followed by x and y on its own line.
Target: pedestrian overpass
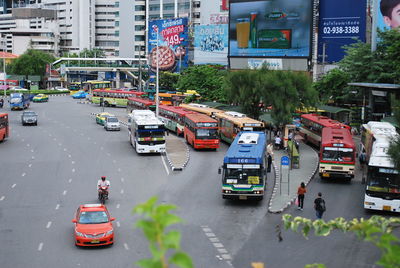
pixel 117 65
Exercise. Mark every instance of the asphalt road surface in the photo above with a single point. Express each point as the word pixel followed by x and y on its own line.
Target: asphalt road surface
pixel 47 171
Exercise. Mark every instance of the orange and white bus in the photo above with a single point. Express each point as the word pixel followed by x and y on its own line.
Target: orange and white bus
pixel 201 108
pixel 201 131
pixel 171 98
pixel 312 125
pixel 174 117
pixel 4 129
pixel 136 103
pixel 231 123
pixel 337 157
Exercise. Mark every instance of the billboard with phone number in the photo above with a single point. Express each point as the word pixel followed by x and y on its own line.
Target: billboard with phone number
pixel 265 28
pixel 171 35
pixel 339 27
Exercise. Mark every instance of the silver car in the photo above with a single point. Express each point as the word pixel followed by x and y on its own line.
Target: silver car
pixel 112 123
pixel 29 118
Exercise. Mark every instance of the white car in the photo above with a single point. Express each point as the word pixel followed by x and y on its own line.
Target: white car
pixel 18 88
pixel 60 89
pixel 112 123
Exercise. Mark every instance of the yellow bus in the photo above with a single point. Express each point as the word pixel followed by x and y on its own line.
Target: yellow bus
pixel 171 99
pixel 231 123
pixel 74 87
pixel 91 85
pixel 201 108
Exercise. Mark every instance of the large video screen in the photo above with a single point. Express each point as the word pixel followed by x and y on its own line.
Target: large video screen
pixel 270 28
pixel 170 38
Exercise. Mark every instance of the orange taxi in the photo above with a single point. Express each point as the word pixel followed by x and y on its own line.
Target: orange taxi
pixel 93 226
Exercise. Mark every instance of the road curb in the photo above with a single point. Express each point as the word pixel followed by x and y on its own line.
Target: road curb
pixel 180 168
pixel 275 189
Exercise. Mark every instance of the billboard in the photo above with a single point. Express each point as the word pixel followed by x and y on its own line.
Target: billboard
pixel 171 35
pixel 265 28
pixel 212 13
pixel 339 27
pixel 387 14
pixel 211 44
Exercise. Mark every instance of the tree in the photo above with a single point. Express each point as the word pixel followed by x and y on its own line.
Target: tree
pixel 244 87
pixel 206 80
pixel 377 230
pixel 333 87
pixel 168 80
pixel 32 62
pixel 156 219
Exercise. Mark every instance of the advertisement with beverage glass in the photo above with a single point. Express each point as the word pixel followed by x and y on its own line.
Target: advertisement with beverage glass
pixel 211 44
pixel 270 28
pixel 172 44
pixel 341 22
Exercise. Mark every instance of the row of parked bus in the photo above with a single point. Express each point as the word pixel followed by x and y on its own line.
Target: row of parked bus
pixel 337 157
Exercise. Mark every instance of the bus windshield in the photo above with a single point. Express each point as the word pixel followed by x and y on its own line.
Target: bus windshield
pixel 338 154
pixel 206 133
pixel 150 134
pixel 385 180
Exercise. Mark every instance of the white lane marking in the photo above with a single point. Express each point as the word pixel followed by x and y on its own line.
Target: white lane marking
pixel 30 165
pixel 88 138
pixel 210 234
pixel 122 179
pixel 22 140
pixel 226 256
pixel 50 135
pixel 65 149
pixel 13 186
pixel 114 161
pixel 32 151
pixel 54 139
pixel 69 156
pixel 108 154
pixel 95 142
pixel 65 192
pixel 81 134
pixel 58 206
pixel 126 246
pixel 122 191
pixel 101 148
pixel 23 174
pixel 118 205
pixel 73 170
pixel 214 239
pixel 165 165
pixel 119 170
pixel 2 198
pixel 74 130
pixel 48 225
pixel 72 162
pixel 222 250
pixel 33 157
pixel 118 224
pixel 28 145
pixel 207 230
pixel 70 180
pixel 218 245
pixel 40 247
pixel 59 144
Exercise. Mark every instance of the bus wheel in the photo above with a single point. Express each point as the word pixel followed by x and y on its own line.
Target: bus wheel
pixel 106 103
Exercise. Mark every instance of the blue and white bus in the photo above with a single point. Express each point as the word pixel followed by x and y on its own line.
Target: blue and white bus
pixel 244 172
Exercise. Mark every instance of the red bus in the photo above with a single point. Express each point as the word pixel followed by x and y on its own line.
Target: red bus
pixel 201 131
pixel 4 129
pixel 140 104
pixel 174 117
pixel 312 125
pixel 337 153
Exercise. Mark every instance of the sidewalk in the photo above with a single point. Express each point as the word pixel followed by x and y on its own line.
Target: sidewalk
pixel 280 199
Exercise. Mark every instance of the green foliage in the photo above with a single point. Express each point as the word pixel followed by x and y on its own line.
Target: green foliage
pixel 377 230
pixel 206 80
pixel 156 219
pixel 32 62
pixel 245 87
pixel 333 87
pixel 168 80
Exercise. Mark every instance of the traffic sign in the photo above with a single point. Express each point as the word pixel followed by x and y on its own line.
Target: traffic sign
pixel 285 160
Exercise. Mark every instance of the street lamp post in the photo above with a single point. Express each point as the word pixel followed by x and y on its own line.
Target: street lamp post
pixel 4 66
pixel 157 82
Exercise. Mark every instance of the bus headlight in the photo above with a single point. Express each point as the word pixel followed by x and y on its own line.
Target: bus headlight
pixel 369 203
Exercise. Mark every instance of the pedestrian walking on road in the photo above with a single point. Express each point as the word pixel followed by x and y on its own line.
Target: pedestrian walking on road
pixel 300 195
pixel 319 206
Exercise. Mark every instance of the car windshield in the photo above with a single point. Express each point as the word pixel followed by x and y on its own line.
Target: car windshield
pixel 29 114
pixel 112 119
pixel 93 217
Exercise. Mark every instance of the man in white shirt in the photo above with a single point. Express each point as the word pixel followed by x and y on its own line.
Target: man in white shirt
pixel 103 183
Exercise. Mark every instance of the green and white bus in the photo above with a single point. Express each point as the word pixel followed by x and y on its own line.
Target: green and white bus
pixel 114 97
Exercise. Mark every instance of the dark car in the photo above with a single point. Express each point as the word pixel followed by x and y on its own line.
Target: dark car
pixel 29 118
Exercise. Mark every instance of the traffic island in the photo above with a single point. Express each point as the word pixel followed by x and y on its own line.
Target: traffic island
pixel 177 152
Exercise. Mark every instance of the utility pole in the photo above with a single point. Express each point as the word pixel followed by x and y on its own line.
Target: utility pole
pixel 140 70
